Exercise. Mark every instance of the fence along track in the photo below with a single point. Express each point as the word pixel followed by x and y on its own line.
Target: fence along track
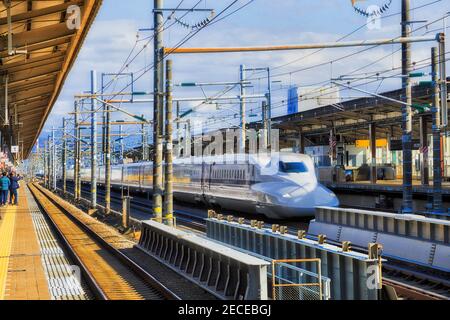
pixel 109 277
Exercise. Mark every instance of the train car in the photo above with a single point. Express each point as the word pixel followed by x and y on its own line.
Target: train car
pixel 281 187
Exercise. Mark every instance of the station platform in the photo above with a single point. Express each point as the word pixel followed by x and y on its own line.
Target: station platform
pixel 388 186
pixel 32 265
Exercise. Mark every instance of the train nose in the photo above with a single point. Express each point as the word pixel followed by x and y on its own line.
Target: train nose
pixel 314 197
pixel 325 198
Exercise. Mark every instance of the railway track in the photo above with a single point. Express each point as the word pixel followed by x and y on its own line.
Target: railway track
pixel 141 207
pixel 407 284
pixel 414 285
pixel 108 272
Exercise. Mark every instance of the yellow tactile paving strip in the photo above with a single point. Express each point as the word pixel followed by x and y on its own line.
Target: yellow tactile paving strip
pixel 7 222
pixel 25 279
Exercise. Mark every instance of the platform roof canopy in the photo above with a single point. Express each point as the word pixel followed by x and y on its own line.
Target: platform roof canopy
pixel 33 69
pixel 351 118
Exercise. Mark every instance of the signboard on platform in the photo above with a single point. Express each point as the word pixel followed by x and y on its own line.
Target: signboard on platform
pixel 396 145
pixel 14 149
pixel 381 143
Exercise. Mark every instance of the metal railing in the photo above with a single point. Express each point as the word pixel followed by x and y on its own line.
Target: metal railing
pixel 294 269
pixel 289 284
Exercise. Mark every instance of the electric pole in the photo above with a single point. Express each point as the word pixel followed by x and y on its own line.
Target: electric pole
pixel 178 126
pixel 49 162
pixel 437 173
pixel 144 142
pixel 406 109
pixel 45 164
pixel 53 160
pixel 121 145
pixel 158 106
pixel 242 100
pixel 269 107
pixel 265 125
pixel 168 190
pixel 93 141
pixel 107 158
pixel 76 168
pixel 443 82
pixel 64 157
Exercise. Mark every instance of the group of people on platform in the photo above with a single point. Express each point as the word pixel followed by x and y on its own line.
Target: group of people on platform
pixel 9 184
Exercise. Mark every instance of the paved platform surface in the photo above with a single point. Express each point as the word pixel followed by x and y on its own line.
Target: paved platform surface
pixel 388 186
pixel 22 275
pixel 32 265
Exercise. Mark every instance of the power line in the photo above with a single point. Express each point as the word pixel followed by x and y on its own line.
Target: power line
pixel 351 33
pixel 189 36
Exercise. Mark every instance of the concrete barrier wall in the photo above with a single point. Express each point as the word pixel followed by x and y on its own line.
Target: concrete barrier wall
pixel 409 238
pixel 414 226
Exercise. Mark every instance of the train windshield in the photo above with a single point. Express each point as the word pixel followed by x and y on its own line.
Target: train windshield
pixel 293 167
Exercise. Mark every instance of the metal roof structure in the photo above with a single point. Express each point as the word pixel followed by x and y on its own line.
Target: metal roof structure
pixel 351 118
pixel 39 43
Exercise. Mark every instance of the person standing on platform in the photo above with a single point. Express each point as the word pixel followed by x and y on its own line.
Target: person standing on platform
pixel 14 185
pixel 5 183
pixel 1 194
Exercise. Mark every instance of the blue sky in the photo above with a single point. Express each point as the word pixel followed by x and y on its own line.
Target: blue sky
pixel 263 22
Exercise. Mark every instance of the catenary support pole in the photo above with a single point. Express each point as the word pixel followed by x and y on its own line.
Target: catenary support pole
pixel 93 141
pixel 121 145
pixel 80 161
pixel 102 89
pixel 269 107
pixel 437 172
pixel 373 152
pixel 144 142
pixel 243 109
pixel 443 80
pixel 45 165
pixel 168 190
pixel 64 157
pixel 265 123
pixel 54 162
pixel 107 158
pixel 158 106
pixel 178 126
pixel 406 110
pixel 76 166
pixel 424 174
pixel 49 163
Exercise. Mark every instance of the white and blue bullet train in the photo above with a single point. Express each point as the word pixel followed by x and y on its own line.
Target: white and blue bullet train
pixel 282 186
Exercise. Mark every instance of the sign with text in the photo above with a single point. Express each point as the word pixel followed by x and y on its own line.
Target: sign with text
pixel 381 143
pixel 396 145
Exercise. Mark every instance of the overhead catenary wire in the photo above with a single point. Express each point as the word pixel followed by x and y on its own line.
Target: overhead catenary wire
pixel 283 103
pixel 189 36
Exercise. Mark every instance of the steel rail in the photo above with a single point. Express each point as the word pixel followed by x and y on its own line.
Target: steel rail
pixel 407 290
pixel 140 272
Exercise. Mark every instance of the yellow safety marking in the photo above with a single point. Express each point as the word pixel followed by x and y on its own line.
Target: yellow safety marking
pixel 157 210
pixel 6 236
